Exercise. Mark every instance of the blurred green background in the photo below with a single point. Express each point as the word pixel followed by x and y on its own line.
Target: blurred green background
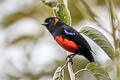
pixel 28 51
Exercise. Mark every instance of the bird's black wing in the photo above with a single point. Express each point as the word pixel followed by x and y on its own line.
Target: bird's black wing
pixel 76 37
pixel 84 48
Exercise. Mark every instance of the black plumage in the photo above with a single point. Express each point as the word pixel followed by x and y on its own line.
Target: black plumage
pixel 69 33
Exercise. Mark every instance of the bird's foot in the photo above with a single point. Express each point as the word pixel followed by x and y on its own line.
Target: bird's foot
pixel 69 58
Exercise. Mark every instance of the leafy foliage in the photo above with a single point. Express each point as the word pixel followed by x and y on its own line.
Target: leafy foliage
pixel 62 12
pixel 92 71
pixel 99 39
pixel 85 75
pixel 98 71
pixel 50 3
pixel 59 74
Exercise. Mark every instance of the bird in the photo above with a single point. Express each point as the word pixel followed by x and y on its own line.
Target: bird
pixel 68 38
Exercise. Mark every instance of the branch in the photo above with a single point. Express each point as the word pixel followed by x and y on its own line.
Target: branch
pixel 91 14
pixel 114 18
pixel 81 70
pixel 65 2
pixel 72 75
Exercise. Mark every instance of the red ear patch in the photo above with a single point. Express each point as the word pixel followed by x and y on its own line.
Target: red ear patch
pixel 56 20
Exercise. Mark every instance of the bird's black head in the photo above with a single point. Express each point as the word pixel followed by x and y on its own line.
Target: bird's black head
pixel 51 23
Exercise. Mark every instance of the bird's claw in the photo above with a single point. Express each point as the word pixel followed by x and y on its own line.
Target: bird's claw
pixel 69 59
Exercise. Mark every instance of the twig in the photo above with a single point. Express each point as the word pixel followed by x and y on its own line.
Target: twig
pixel 65 2
pixel 116 46
pixel 81 70
pixel 72 75
pixel 92 15
pixel 63 66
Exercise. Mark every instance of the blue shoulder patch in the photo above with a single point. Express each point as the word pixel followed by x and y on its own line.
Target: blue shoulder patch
pixel 69 33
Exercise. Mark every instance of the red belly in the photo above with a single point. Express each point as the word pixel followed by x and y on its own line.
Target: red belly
pixel 66 44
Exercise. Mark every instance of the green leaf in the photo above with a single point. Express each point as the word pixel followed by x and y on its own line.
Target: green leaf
pixel 59 74
pixel 85 75
pixel 50 3
pixel 101 77
pixel 99 39
pixel 62 12
pixel 98 71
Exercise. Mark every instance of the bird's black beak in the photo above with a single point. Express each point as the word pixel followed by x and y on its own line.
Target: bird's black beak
pixel 44 24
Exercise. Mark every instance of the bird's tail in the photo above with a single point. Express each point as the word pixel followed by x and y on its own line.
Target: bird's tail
pixel 92 51
pixel 87 54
